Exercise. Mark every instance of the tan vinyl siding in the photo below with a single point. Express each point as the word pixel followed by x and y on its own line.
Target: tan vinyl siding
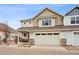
pixel 47 13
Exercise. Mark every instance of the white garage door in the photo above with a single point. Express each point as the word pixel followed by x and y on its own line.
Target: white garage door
pixel 47 39
pixel 76 38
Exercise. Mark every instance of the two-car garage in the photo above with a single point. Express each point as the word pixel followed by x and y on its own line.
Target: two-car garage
pixel 47 38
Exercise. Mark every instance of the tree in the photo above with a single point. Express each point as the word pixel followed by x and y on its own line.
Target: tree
pixel 6 32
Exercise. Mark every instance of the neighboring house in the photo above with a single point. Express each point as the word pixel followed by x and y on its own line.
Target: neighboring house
pixel 71 20
pixel 50 28
pixel 6 31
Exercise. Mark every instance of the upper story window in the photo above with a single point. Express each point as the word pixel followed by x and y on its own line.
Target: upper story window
pixel 46 22
pixel 77 20
pixel 74 20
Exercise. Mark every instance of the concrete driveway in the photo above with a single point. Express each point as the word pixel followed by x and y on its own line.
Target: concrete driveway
pixel 36 50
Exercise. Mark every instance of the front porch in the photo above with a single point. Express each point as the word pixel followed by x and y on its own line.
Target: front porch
pixel 24 39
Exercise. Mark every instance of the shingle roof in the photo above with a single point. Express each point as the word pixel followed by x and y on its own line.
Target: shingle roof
pixel 7 28
pixel 59 27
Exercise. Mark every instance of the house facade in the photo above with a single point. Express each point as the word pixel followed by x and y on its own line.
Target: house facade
pixel 50 28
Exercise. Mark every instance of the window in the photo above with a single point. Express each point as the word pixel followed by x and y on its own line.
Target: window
pixel 43 34
pixel 49 33
pixel 46 22
pixel 77 20
pixel 72 20
pixel 56 33
pixel 50 22
pixel 37 34
pixel 76 33
pixel 42 22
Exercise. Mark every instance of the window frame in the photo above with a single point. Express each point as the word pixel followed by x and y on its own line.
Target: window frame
pixel 43 33
pixel 46 22
pixel 55 33
pixel 75 20
pixel 49 33
pixel 37 34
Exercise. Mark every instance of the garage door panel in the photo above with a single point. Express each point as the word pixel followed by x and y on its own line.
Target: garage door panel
pixel 47 40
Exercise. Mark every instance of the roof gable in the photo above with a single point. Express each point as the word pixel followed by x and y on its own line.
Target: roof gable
pixel 48 10
pixel 71 12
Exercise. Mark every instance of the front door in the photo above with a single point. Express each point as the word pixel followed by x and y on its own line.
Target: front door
pixel 47 39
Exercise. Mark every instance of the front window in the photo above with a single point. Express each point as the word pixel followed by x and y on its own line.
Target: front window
pixel 46 22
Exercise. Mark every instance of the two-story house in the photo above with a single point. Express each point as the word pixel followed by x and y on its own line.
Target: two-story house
pixel 50 28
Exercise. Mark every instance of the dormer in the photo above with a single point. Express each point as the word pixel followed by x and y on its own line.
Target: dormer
pixel 47 18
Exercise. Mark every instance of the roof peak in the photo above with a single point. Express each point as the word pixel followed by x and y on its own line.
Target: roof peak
pixel 77 5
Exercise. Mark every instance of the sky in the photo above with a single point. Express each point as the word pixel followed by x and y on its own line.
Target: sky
pixel 13 13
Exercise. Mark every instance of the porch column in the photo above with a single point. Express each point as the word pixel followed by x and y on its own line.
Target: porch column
pixel 29 39
pixel 18 36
